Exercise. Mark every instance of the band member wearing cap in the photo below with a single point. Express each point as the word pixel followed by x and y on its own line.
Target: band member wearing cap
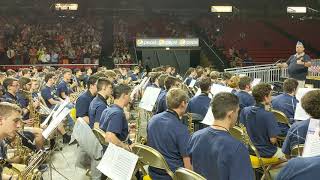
pixel 298 65
pixel 214 153
pixel 167 134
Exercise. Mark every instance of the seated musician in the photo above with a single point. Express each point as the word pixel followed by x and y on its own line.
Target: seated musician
pixel 167 134
pixel 262 125
pixel 154 80
pixel 287 102
pixel 63 88
pixel 301 168
pixel 245 99
pixel 162 78
pixel 135 74
pixel 99 103
pixel 214 75
pixel 298 131
pixel 214 153
pixel 114 121
pixel 200 104
pixel 51 100
pixel 9 123
pixel 169 82
pixel 35 88
pixel 225 78
pixel 234 84
pixel 84 100
pixel 191 75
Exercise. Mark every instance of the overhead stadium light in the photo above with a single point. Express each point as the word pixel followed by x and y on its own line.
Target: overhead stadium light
pixel 66 7
pixel 221 9
pixel 297 10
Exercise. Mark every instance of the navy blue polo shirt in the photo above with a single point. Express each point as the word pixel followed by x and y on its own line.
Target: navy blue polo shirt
pixel 286 104
pixel 83 103
pixel 161 102
pixel 261 126
pixel 47 94
pixel 169 136
pixel 245 99
pixel 216 155
pixel 188 80
pixel 134 77
pixel 22 100
pixel 63 87
pixel 97 106
pixel 199 104
pixel 301 168
pixel 296 135
pixel 8 97
pixel 114 120
pixel 298 71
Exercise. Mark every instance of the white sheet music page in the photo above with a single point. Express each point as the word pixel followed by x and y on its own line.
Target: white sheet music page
pixel 217 88
pixel 192 83
pixel 255 82
pixel 208 119
pixel 149 98
pixel 117 163
pixel 300 113
pixel 312 144
pixel 55 122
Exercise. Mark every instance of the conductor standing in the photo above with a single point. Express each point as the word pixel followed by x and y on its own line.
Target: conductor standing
pixel 298 65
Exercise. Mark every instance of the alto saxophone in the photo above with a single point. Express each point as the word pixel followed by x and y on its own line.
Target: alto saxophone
pixel 34 114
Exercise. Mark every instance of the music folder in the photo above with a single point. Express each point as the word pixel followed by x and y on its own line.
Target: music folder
pixel 312 143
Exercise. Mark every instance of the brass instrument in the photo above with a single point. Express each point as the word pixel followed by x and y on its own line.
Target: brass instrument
pixel 4 163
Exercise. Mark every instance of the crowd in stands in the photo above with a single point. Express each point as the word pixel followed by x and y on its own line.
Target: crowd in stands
pixel 31 41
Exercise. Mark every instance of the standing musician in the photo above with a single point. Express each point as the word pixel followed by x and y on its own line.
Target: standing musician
pixel 9 123
pixel 200 104
pixel 84 100
pixel 113 119
pixel 99 103
pixel 298 65
pixel 261 124
pixel 167 134
pixel 302 167
pixel 215 154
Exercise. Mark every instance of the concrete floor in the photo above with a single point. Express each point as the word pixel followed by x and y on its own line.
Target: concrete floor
pixel 64 161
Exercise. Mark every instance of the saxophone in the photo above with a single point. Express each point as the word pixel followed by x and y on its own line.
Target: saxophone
pixel 33 111
pixel 4 163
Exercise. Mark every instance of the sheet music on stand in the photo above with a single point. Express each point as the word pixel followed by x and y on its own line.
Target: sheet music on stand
pixel 312 143
pixel 192 83
pixel 217 88
pixel 56 120
pixel 255 82
pixel 149 98
pixel 49 117
pixel 117 163
pixel 208 119
pixel 300 113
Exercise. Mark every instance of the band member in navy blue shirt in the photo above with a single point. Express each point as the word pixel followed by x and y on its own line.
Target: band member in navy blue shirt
pixel 84 100
pixel 245 99
pixel 114 121
pixel 262 125
pixel 99 103
pixel 11 86
pixel 297 133
pixel 169 82
pixel 10 118
pixel 154 80
pixel 214 153
pixel 63 88
pixel 47 92
pixel 298 65
pixel 287 102
pixel 192 75
pixel 51 100
pixel 167 134
pixel 301 168
pixel 200 104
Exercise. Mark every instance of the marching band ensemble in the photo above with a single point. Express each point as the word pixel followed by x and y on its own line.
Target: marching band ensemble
pixel 103 99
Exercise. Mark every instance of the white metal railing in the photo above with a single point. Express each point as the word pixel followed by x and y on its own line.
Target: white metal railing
pixel 270 72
